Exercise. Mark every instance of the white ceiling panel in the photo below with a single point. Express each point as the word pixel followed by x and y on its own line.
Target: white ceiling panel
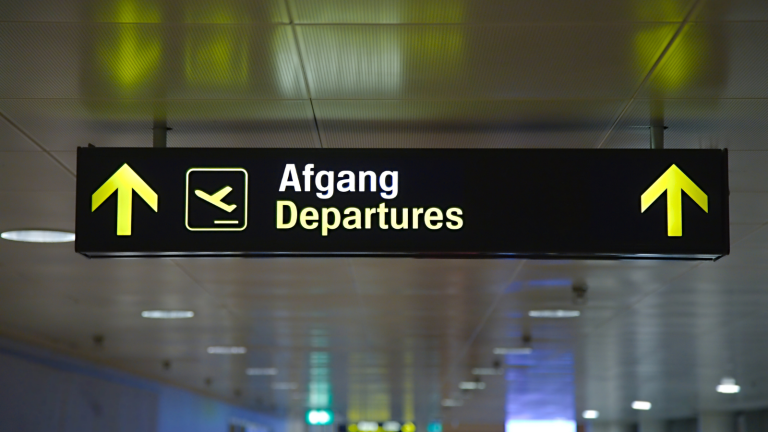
pixel 149 61
pixel 64 125
pixel 145 11
pixel 464 124
pixel 483 11
pixel 33 172
pixel 475 62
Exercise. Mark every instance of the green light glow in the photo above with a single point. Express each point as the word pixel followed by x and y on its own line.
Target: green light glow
pixel 320 394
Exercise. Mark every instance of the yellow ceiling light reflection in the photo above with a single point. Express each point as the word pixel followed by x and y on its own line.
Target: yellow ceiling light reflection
pixel 409 427
pixel 685 61
pixel 216 56
pixel 368 392
pixel 409 396
pixel 130 56
pixel 440 50
pixel 435 11
pixel 128 11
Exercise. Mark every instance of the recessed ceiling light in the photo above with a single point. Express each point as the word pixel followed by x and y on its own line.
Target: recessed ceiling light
pixel 367 426
pixel 471 385
pixel 167 314
pixel 39 236
pixel 391 426
pixel 590 414
pixel 261 371
pixel 319 417
pixel 487 371
pixel 556 313
pixel 504 351
pixel 227 350
pixel 641 405
pixel 728 386
pixel 285 386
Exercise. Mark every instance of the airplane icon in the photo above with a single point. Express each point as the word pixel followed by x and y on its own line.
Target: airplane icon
pixel 216 198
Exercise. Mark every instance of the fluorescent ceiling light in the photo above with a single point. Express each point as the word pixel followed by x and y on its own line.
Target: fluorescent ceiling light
pixel 167 314
pixel 503 351
pixel 557 313
pixel 452 403
pixel 391 426
pixel 728 386
pixel 540 426
pixel 590 414
pixel 39 236
pixel 227 350
pixel 319 417
pixel 641 405
pixel 487 371
pixel 261 371
pixel 471 385
pixel 285 386
pixel 366 426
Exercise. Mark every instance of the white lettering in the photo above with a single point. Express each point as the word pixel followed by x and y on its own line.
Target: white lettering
pixel 363 175
pixel 348 184
pixel 308 176
pixel 392 188
pixel 327 188
pixel 290 171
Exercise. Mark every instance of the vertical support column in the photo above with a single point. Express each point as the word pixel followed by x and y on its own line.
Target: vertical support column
pixel 717 422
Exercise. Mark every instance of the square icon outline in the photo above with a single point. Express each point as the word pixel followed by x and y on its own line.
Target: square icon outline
pixel 186 199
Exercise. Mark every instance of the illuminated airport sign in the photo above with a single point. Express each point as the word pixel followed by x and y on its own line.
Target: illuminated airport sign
pixel 401 203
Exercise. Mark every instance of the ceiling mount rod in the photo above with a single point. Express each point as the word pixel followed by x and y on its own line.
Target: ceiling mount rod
pixel 657 137
pixel 160 132
pixel 657 125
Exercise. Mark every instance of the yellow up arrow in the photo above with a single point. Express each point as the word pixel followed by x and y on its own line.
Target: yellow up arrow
pixel 674 182
pixel 124 181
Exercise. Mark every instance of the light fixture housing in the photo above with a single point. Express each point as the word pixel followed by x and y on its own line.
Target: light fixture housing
pixel 261 371
pixel 227 350
pixel 472 385
pixel 554 313
pixel 515 351
pixel 391 426
pixel 641 405
pixel 167 314
pixel 367 426
pixel 590 414
pixel 728 386
pixel 39 236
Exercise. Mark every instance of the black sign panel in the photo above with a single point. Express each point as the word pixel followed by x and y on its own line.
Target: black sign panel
pixel 447 203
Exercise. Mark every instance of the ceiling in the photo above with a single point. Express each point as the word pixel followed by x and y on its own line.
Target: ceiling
pixel 392 337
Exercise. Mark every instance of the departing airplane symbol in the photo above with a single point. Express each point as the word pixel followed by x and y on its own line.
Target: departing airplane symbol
pixel 216 198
